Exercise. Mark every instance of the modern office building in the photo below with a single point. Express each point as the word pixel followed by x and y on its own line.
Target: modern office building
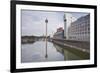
pixel 79 30
pixel 59 33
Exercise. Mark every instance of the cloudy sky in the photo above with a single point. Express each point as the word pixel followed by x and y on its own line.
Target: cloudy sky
pixel 33 22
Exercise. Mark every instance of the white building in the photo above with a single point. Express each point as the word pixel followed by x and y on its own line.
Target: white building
pixel 68 19
pixel 59 33
pixel 79 30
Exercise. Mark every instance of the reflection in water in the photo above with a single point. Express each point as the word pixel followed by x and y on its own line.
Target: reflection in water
pixel 67 54
pixel 35 52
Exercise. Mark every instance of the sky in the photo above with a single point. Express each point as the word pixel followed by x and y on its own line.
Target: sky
pixel 33 22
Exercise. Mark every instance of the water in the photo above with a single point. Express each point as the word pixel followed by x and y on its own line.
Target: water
pixel 36 52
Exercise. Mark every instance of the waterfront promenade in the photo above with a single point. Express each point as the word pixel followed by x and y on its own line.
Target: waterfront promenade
pixel 80 45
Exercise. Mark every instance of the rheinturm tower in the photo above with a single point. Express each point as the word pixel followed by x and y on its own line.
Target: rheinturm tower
pixel 65 26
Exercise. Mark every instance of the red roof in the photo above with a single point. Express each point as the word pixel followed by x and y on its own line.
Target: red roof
pixel 60 29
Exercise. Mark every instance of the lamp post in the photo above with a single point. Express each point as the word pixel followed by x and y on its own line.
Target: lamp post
pixel 71 20
pixel 46 21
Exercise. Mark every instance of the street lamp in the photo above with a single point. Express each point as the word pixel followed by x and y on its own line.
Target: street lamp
pixel 46 21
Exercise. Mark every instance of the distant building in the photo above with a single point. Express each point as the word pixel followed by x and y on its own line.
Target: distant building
pixel 80 29
pixel 59 34
pixel 60 29
pixel 27 39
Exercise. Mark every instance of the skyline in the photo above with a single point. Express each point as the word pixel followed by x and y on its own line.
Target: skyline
pixel 33 22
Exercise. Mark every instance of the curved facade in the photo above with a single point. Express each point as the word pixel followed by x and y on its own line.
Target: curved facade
pixel 80 29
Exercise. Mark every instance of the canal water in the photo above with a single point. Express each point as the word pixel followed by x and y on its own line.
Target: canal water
pixel 36 52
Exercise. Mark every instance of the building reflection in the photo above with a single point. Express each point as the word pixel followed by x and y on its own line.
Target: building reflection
pixel 70 54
